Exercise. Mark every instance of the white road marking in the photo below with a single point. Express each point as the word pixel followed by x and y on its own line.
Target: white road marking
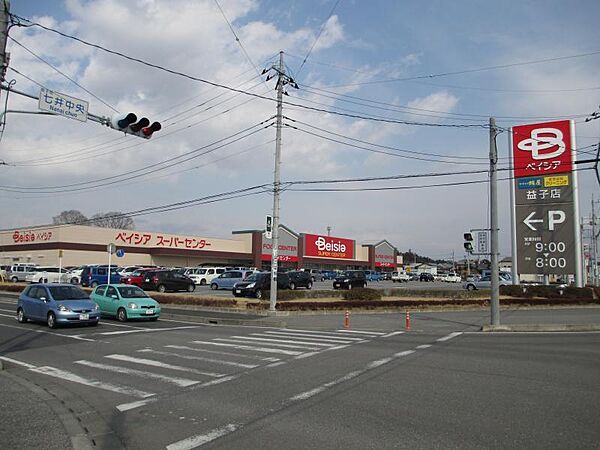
pixel 308 355
pixel 114 333
pixel 68 376
pixel 20 363
pixel 30 330
pixel 146 330
pixel 219 381
pixel 281 341
pixel 349 376
pixel 249 347
pixel 423 347
pixel 153 363
pixel 373 333
pixel 280 363
pixel 127 406
pixel 450 336
pixel 214 352
pixel 199 358
pixel 316 337
pixel 183 382
pixel 395 333
pixel 199 440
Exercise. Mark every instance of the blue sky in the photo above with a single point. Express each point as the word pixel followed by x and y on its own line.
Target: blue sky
pixel 362 43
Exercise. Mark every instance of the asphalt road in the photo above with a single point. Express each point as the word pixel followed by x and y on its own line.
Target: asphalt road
pixel 179 385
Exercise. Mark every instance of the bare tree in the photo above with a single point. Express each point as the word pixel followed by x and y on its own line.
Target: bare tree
pixel 70 216
pixel 113 219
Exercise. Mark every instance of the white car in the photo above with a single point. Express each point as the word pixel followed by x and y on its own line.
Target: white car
pixel 204 275
pixel 400 277
pixel 484 283
pixel 451 278
pixel 51 275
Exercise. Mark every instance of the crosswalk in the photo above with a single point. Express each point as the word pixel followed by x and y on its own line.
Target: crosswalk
pixel 147 374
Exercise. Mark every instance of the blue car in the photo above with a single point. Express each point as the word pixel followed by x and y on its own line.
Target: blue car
pixel 228 279
pixel 373 276
pixel 57 304
pixel 94 275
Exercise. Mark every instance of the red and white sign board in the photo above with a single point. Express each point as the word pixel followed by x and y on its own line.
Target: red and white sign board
pixel 542 149
pixel 328 247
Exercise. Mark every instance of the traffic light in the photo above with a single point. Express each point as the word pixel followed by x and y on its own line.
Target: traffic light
pixel 128 123
pixel 468 242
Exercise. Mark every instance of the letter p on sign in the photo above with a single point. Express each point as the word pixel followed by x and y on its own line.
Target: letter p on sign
pixel 554 218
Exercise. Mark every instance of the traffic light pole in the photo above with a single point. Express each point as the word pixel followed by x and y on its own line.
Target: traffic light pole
pixel 277 186
pixel 495 281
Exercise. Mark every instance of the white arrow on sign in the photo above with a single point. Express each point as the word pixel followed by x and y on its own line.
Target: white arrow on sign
pixel 529 220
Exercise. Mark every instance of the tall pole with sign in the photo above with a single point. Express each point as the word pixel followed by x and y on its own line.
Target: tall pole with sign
pixel 276 187
pixel 546 232
pixel 110 248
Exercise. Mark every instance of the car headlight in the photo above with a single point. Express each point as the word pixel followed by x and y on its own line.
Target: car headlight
pixel 96 307
pixel 63 308
pixel 251 285
pixel 132 305
pixel 347 280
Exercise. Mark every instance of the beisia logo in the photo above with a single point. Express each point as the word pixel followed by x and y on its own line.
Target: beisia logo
pixel 331 246
pixel 543 139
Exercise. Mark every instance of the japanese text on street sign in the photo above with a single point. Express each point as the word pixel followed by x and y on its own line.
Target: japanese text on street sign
pixel 63 105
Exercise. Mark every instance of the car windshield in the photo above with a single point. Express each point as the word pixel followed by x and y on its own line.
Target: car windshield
pixel 253 277
pixel 347 274
pixel 67 293
pixel 131 292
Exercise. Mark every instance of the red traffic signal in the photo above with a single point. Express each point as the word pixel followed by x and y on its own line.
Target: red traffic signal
pixel 128 123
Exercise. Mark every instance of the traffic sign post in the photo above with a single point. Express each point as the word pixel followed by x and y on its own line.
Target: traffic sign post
pixel 546 238
pixel 110 248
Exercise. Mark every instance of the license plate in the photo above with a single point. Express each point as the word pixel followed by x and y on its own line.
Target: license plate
pixel 84 316
pixel 337 284
pixel 147 279
pixel 149 311
pixel 238 291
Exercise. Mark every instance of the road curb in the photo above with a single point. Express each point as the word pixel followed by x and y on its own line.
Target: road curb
pixel 540 328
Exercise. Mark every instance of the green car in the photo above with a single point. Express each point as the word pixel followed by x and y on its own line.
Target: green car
pixel 125 301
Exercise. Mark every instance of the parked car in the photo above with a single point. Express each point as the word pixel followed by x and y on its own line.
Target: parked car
pixel 137 277
pixel 125 302
pixel 128 270
pixel 328 274
pixel 204 275
pixel 300 278
pixel 228 279
pixel 51 274
pixel 315 274
pixel 258 283
pixel 386 276
pixel 167 280
pixel 57 304
pixel 400 277
pixel 484 283
pixel 350 279
pixel 372 275
pixel 94 275
pixel 425 276
pixel 19 272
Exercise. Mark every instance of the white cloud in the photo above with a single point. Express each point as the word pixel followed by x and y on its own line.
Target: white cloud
pixel 443 102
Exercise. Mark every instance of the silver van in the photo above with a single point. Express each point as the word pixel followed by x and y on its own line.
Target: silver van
pixel 19 272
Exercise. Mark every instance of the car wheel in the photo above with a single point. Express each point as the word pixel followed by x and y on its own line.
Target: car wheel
pixel 94 284
pixel 74 280
pixel 214 286
pixel 313 279
pixel 41 280
pixel 51 320
pixel 21 316
pixel 202 282
pixel 309 285
pixel 161 288
pixel 292 286
pixel 122 315
pixel 470 287
pixel 258 294
pixel 14 279
pixel 191 288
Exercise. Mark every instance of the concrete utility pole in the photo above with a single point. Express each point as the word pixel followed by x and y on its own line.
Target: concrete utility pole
pixel 4 21
pixel 277 185
pixel 495 285
pixel 593 250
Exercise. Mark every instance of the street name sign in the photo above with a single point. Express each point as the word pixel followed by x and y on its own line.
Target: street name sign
pixel 63 105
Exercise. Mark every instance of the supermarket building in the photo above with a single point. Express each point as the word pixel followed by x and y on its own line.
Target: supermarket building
pixel 76 245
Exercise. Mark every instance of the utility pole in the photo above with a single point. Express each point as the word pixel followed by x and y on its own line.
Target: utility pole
pixel 328 230
pixel 4 21
pixel 277 185
pixel 495 285
pixel 593 250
